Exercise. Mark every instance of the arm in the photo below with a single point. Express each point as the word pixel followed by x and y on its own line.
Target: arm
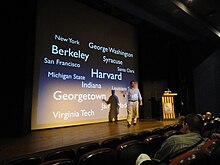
pixel 109 101
pixel 106 101
pixel 141 103
pixel 140 98
pixel 165 150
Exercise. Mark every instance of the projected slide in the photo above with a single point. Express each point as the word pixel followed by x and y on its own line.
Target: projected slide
pixel 81 55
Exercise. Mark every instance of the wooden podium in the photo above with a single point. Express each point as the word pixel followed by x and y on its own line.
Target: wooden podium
pixel 168 105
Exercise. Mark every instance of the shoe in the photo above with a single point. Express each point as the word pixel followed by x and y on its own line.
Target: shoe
pixel 128 125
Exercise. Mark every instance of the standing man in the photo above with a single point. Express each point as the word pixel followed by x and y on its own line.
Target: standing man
pixel 114 106
pixel 134 100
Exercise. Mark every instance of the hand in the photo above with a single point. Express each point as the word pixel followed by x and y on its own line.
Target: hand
pixel 141 103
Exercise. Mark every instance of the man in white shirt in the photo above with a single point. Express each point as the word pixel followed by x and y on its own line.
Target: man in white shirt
pixel 134 100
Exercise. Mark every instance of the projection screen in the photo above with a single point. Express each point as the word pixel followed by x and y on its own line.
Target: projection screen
pixel 81 54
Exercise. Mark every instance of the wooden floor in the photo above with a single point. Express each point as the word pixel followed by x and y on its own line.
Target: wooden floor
pixel 41 141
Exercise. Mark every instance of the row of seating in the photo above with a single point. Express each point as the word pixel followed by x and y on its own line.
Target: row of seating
pixel 210 127
pixel 92 154
pixel 132 143
pixel 208 153
pixel 127 153
pixel 148 139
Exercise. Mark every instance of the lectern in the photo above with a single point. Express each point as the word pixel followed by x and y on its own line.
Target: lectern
pixel 168 105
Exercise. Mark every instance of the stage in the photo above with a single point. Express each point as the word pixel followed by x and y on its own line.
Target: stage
pixel 42 141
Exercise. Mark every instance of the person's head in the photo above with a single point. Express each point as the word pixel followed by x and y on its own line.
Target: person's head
pixel 133 83
pixel 181 119
pixel 194 122
pixel 113 92
pixel 208 115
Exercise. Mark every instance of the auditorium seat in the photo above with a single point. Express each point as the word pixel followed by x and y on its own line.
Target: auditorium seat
pixel 217 125
pixel 128 137
pixel 151 162
pixel 102 156
pixel 209 146
pixel 153 143
pixel 84 148
pixel 144 134
pixel 168 128
pixel 33 160
pixel 208 129
pixel 111 143
pixel 159 131
pixel 211 149
pixel 59 154
pixel 191 157
pixel 129 151
pixel 177 126
pixel 215 155
pixel 58 162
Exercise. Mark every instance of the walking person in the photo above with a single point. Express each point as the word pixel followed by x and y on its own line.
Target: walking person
pixel 134 98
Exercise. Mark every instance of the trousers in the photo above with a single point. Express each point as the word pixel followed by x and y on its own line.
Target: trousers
pixel 132 111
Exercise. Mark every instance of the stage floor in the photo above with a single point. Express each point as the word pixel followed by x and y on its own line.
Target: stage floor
pixel 40 141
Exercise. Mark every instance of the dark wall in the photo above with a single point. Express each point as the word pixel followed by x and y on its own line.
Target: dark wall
pixel 167 61
pixel 163 59
pixel 207 84
pixel 19 29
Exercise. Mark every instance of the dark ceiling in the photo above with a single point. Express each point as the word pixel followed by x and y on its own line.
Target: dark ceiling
pixel 188 19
